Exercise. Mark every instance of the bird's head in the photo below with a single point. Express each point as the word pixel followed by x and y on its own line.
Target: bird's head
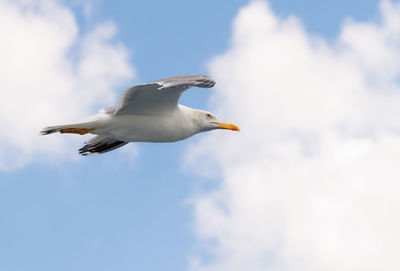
pixel 206 121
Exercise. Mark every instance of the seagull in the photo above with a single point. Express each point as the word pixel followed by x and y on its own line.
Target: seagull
pixel 146 113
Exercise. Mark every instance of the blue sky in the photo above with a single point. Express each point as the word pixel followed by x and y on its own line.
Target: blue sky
pixel 116 212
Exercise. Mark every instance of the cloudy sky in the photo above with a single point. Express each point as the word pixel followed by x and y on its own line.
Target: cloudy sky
pixel 310 183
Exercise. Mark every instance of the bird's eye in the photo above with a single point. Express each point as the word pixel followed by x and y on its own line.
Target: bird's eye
pixel 209 115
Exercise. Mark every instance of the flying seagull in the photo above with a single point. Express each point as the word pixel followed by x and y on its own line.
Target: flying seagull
pixel 146 113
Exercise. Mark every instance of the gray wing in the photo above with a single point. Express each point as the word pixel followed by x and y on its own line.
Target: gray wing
pixel 159 95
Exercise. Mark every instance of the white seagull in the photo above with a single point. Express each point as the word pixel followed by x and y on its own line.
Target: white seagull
pixel 146 113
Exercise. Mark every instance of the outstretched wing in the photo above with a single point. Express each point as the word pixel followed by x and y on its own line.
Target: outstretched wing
pixel 159 95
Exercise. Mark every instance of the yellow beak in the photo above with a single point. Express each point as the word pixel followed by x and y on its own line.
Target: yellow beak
pixel 227 125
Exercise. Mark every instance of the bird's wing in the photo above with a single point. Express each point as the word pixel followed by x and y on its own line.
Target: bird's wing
pixel 159 95
pixel 100 144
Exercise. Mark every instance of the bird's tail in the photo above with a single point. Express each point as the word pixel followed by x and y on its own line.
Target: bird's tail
pixel 78 128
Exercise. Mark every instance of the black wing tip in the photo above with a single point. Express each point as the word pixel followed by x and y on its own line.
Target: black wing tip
pixel 87 151
pixel 203 81
pixel 99 145
pixel 209 83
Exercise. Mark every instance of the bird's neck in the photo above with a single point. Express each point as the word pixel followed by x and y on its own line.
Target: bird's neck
pixel 188 116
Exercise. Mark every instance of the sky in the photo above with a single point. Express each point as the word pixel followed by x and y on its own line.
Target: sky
pixel 310 182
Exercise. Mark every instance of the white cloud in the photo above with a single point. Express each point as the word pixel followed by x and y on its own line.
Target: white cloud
pixel 312 180
pixel 50 74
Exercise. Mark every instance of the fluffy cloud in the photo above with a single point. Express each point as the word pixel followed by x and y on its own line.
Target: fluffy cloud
pixel 312 180
pixel 51 74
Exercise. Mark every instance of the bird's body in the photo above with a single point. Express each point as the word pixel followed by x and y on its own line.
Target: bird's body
pixel 172 126
pixel 146 113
